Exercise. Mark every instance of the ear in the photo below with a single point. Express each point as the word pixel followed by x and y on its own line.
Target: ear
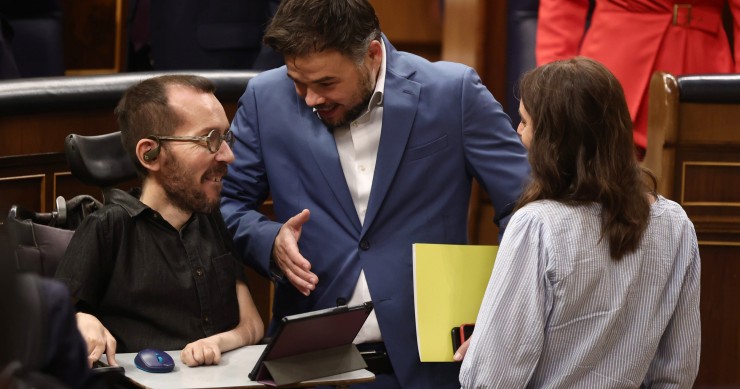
pixel 147 152
pixel 375 53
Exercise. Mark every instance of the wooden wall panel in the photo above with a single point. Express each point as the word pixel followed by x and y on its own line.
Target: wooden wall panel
pixel 710 184
pixel 94 36
pixel 720 316
pixel 412 25
pixel 29 191
pixel 474 34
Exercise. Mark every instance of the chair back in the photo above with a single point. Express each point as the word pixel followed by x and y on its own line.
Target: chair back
pixel 693 123
pixel 38 247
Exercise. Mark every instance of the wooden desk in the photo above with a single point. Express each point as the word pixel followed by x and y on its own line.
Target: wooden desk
pixel 232 372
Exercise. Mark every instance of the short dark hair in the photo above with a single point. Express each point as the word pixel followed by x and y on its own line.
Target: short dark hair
pixel 144 110
pixel 582 147
pixel 302 27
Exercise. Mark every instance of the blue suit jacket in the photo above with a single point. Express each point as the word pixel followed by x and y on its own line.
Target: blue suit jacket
pixel 441 127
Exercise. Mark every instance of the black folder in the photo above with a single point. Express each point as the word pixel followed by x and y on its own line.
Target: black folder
pixel 313 345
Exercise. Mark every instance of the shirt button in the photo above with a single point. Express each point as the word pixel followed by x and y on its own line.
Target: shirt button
pixel 206 319
pixel 199 272
pixel 362 168
pixel 364 245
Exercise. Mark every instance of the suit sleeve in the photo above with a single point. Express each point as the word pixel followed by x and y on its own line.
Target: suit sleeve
pixel 561 25
pixel 245 188
pixel 492 148
pixel 509 331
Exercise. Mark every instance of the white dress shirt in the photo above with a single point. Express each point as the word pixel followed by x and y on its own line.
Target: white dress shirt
pixel 357 144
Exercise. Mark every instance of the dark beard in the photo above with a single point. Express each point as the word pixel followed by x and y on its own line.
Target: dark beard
pixel 184 194
pixel 359 109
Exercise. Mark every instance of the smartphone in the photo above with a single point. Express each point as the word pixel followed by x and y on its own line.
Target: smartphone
pixel 461 334
pixel 100 366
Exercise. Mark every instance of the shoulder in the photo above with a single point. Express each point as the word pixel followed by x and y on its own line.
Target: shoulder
pixel 547 211
pixel 419 69
pixel 669 213
pixel 668 208
pixel 270 87
pixel 557 217
pixel 532 217
pixel 270 78
pixel 122 207
pixel 110 214
pixel 108 222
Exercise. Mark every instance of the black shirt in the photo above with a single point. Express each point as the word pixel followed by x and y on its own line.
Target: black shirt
pixel 150 285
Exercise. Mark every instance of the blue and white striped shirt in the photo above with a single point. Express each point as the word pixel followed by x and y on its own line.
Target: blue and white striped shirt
pixel 560 313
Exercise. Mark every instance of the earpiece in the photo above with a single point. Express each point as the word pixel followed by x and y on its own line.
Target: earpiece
pixel 152 154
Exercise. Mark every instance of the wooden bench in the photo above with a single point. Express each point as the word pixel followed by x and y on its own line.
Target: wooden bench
pixel 694 149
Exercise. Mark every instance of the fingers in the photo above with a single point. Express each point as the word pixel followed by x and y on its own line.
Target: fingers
pixel 461 351
pixel 96 336
pixel 200 353
pixel 106 346
pixel 110 349
pixel 304 281
pixel 186 356
pixel 288 257
pixel 95 354
pixel 297 221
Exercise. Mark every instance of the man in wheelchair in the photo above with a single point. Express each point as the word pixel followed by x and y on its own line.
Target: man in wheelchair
pixel 159 271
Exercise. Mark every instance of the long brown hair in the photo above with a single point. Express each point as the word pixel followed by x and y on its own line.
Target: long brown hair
pixel 582 149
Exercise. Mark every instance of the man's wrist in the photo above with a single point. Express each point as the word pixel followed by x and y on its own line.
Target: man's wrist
pixel 276 274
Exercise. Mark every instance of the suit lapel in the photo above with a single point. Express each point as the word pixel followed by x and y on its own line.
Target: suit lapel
pixel 400 102
pixel 324 150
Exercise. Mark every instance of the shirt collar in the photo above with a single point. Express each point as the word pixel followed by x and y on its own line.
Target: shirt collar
pixel 128 202
pixel 377 98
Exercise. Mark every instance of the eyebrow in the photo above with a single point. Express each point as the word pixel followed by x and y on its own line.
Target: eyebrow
pixel 316 81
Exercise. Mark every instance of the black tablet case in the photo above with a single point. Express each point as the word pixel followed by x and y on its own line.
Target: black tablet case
pixel 313 345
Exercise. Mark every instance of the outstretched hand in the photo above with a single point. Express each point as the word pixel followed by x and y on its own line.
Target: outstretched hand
pixel 289 259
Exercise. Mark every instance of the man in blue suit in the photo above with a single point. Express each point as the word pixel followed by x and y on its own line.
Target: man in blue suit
pixel 378 149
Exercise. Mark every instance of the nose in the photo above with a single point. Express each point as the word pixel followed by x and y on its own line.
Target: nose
pixel 224 153
pixel 313 99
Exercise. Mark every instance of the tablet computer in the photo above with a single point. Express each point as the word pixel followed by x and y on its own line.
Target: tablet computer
pixel 310 333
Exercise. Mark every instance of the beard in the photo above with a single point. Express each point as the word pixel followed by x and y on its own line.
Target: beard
pixel 186 194
pixel 365 89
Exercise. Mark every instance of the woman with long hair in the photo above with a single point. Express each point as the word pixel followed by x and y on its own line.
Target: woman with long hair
pixel 596 282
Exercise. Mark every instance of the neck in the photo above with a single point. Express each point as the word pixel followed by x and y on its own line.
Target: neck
pixel 154 196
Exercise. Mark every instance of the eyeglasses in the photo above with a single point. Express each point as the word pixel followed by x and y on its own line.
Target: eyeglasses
pixel 213 140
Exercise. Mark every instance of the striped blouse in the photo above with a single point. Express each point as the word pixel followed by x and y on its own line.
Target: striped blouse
pixel 560 313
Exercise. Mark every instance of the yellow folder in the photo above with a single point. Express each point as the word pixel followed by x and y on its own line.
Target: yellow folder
pixel 449 283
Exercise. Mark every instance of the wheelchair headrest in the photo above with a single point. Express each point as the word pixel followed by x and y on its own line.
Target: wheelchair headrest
pixel 99 160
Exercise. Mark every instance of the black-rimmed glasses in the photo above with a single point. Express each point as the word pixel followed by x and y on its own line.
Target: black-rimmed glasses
pixel 213 140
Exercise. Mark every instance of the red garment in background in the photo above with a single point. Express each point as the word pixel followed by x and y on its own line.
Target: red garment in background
pixel 634 38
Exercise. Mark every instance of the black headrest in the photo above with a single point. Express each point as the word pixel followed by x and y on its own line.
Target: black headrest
pixel 99 160
pixel 49 94
pixel 709 88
